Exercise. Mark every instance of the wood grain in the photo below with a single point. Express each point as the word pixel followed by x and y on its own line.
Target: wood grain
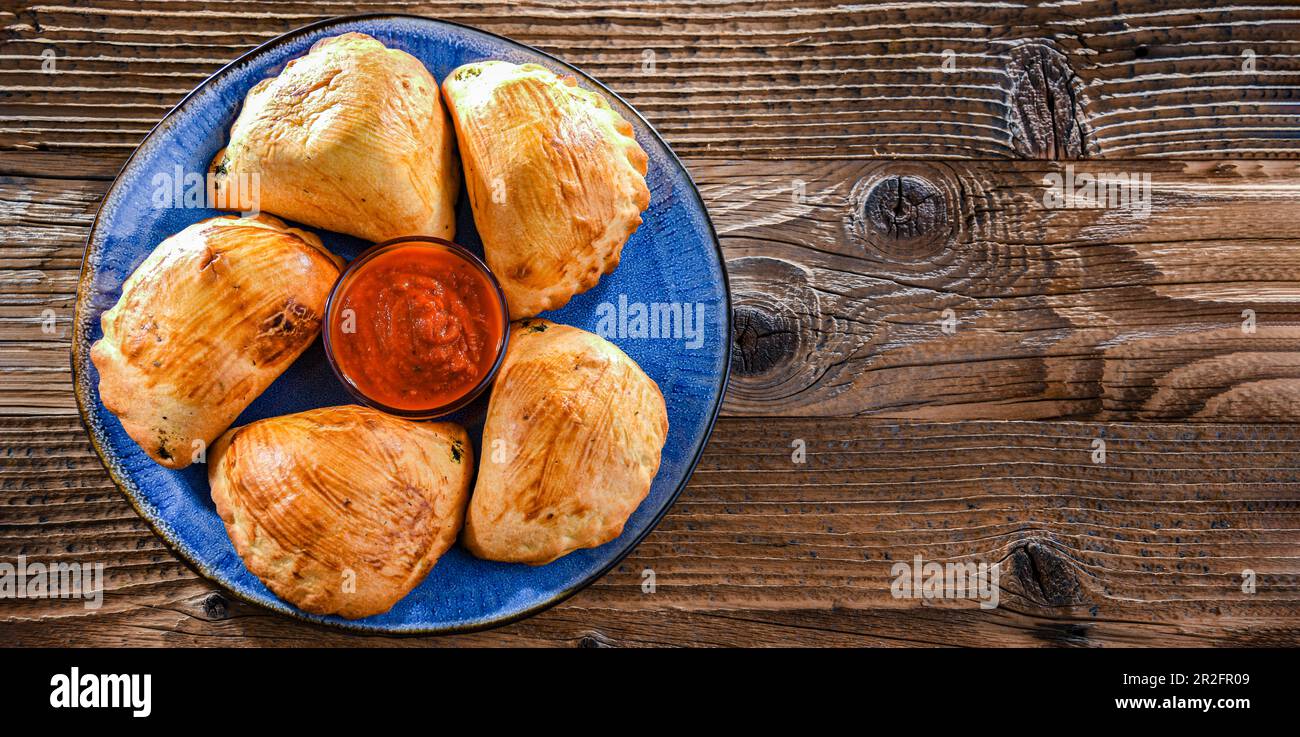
pixel 764 550
pixel 868 167
pixel 780 80
pixel 974 296
pixel 1107 313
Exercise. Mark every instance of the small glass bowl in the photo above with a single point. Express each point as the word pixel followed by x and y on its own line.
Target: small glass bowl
pixel 356 266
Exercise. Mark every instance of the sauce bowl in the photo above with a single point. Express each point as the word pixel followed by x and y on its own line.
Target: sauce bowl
pixel 352 371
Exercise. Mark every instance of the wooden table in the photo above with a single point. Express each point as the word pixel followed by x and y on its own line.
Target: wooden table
pixel 930 351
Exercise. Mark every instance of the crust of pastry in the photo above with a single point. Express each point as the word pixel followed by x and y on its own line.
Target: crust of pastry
pixel 351 138
pixel 204 325
pixel 555 177
pixel 581 428
pixel 341 510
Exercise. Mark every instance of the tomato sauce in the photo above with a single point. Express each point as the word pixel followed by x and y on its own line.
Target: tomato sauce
pixel 416 327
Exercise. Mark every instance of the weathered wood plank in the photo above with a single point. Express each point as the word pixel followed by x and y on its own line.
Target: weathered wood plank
pixel 792 80
pixel 907 289
pixel 963 291
pixel 789 532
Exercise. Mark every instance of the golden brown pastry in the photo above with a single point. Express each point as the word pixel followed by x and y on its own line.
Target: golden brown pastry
pixel 352 138
pixel 204 325
pixel 341 510
pixel 571 444
pixel 555 178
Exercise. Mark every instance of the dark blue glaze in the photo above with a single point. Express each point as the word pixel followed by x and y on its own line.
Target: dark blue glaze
pixel 673 257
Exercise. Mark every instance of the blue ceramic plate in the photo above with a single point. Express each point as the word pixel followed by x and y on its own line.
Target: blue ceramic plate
pixel 673 258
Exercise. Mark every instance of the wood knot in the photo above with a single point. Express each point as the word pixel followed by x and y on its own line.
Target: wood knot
pixel 761 340
pixel 904 212
pixel 1046 112
pixel 215 607
pixel 595 640
pixel 904 208
pixel 785 336
pixel 1046 577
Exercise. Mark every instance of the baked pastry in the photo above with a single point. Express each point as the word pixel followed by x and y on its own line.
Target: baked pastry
pixel 341 510
pixel 204 325
pixel 571 444
pixel 555 178
pixel 352 138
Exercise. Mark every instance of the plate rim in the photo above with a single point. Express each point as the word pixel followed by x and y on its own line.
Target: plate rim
pixel 123 487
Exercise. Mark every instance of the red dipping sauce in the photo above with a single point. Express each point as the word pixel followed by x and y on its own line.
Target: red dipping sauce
pixel 416 327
